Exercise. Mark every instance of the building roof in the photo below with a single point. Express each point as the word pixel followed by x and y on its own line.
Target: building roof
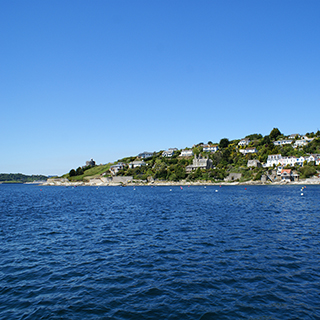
pixel 210 145
pixel 137 162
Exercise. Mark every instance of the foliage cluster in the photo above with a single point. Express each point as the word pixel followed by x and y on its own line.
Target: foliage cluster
pixel 21 178
pixel 90 172
pixel 80 171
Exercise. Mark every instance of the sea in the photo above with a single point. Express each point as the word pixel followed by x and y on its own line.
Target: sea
pixel 169 252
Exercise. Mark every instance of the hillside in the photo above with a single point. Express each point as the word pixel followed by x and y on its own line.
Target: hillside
pixel 231 157
pixel 20 178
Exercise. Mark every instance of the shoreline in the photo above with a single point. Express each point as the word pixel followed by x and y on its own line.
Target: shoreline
pixel 101 183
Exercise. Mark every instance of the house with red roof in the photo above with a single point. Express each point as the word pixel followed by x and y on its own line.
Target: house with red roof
pixel 286 174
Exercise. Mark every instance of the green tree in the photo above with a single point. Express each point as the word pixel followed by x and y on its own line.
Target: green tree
pixel 224 143
pixel 274 134
pixel 226 156
pixel 307 171
pixel 79 171
pixel 313 146
pixel 180 172
pixel 196 151
pixel 254 136
pixel 72 173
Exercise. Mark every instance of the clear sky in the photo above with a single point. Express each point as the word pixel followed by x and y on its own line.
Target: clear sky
pixel 107 79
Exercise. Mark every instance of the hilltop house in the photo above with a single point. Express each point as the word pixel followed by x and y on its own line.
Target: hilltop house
pixel 145 155
pixel 244 142
pixel 91 163
pixel 306 138
pixel 248 150
pixel 135 164
pixel 186 153
pixel 169 153
pixel 294 135
pixel 210 148
pixel 199 162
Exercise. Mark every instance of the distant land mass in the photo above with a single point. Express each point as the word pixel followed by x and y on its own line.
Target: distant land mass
pixel 20 178
pixel 274 158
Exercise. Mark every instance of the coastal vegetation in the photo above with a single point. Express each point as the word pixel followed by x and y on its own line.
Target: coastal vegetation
pixel 20 178
pixel 86 172
pixel 228 159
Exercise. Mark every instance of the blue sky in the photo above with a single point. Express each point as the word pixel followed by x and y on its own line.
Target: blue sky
pixel 108 79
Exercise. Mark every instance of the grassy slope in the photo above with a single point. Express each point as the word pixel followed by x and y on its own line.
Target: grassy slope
pixel 90 173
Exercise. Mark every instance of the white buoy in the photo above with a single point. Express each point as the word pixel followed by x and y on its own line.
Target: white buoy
pixel 302 193
pixel 216 190
pixel 170 189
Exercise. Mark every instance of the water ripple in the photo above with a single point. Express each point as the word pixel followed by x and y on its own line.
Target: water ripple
pixel 152 253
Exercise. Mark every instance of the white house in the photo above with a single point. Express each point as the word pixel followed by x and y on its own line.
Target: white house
pixel 244 142
pixel 115 168
pixel 145 155
pixel 306 138
pixel 168 153
pixel 294 135
pixel 312 157
pixel 291 161
pixel 186 153
pixel 273 159
pixel 277 159
pixel 248 150
pixel 300 143
pixel 282 142
pixel 135 164
pixel 210 148
pixel 300 160
pixel 279 169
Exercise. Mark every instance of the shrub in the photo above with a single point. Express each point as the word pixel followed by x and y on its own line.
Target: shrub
pixel 307 171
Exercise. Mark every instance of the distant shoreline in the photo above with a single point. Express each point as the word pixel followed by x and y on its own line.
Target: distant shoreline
pixel 11 182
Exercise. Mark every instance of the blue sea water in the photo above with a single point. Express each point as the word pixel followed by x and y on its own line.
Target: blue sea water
pixel 159 253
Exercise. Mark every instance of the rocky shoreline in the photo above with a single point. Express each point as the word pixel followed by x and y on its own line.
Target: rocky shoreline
pixel 105 182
